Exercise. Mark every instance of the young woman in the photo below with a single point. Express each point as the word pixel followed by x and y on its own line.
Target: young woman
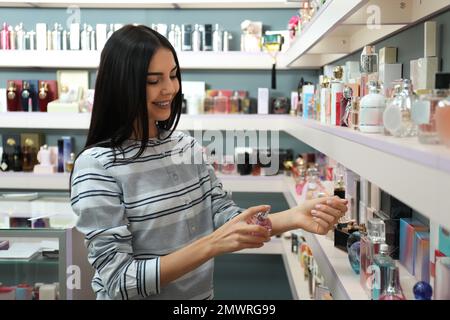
pixel 152 225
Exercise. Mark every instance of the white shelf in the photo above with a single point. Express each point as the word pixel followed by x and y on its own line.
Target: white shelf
pixel 60 181
pixel 343 27
pixel 81 121
pixel 418 175
pixel 163 4
pixel 334 265
pixel 28 180
pixel 204 60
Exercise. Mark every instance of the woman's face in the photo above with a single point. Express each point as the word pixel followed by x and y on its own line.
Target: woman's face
pixel 162 84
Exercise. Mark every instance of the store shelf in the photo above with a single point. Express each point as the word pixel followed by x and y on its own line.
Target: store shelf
pixel 80 121
pixel 163 4
pixel 343 27
pixel 416 174
pixel 60 181
pixel 295 273
pixel 204 60
pixel 31 181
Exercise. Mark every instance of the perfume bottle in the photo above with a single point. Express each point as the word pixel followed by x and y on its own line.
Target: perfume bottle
pixel 262 219
pixel 20 35
pixel 111 31
pixel 347 104
pixel 228 166
pixel 371 110
pixel 220 103
pixel 354 252
pixel 337 89
pixel 27 159
pixel 443 121
pixel 196 38
pixel 300 181
pixel 70 162
pixel 235 103
pixel 186 32
pixel 339 188
pixel 4 38
pixel 84 37
pixel 397 117
pixel 422 291
pixel 17 159
pixel 56 37
pixel 382 262
pixel 31 39
pixel 354 114
pixel 370 246
pixel 25 95
pixel 5 162
pixel 64 40
pixel 325 100
pixel 424 113
pixel 208 38
pixel 217 38
pixel 92 38
pixel 173 37
pixel 368 67
pixel 313 185
pixel 393 290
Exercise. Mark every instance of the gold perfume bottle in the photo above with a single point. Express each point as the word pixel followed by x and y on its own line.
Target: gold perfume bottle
pixel 70 162
pixel 11 91
pixel 43 90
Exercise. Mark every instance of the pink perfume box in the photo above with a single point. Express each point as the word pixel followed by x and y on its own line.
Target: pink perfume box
pixel 408 229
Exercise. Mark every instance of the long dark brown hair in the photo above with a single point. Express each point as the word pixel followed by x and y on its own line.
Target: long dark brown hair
pixel 120 99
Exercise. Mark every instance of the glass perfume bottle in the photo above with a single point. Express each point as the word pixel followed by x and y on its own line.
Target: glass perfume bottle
pixel 424 114
pixel 383 262
pixel 17 159
pixel 347 104
pixel 371 110
pixel 325 101
pixel 27 159
pixel 354 114
pixel 443 121
pixel 235 103
pixel 397 117
pixel 262 219
pixel 339 188
pixel 313 185
pixel 337 89
pixel 70 162
pixel 196 37
pixel 354 252
pixel 368 67
pixel 393 290
pixel 300 181
pixel 370 246
pixel 5 42
pixel 220 103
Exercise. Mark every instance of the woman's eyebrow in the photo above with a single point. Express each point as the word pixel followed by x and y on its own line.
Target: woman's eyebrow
pixel 160 73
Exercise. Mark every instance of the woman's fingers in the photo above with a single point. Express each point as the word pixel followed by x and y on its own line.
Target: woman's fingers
pixel 337 203
pixel 324 216
pixel 334 213
pixel 324 224
pixel 250 212
pixel 255 229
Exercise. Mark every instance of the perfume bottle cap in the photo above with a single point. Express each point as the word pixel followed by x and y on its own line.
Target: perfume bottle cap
pixel 376 230
pixel 338 72
pixel 384 248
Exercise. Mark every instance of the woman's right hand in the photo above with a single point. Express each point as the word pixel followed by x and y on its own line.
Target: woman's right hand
pixel 237 234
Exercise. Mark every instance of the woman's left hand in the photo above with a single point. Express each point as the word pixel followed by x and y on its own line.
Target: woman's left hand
pixel 319 215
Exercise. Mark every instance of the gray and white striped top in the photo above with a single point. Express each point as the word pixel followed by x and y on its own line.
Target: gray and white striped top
pixel 132 213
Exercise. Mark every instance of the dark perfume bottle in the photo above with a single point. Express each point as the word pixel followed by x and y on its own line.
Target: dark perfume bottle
pixel 17 159
pixel 25 96
pixel 5 163
pixel 207 38
pixel 186 32
pixel 27 159
pixel 339 189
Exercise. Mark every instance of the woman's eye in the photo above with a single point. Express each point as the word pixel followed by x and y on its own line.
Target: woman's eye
pixel 173 76
pixel 152 81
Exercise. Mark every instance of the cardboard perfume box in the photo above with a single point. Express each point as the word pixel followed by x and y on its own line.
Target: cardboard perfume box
pixel 408 229
pixel 13 90
pixel 422 256
pixel 263 101
pixel 388 55
pixel 72 79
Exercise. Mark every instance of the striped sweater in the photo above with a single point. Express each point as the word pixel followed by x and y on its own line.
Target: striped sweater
pixel 132 213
